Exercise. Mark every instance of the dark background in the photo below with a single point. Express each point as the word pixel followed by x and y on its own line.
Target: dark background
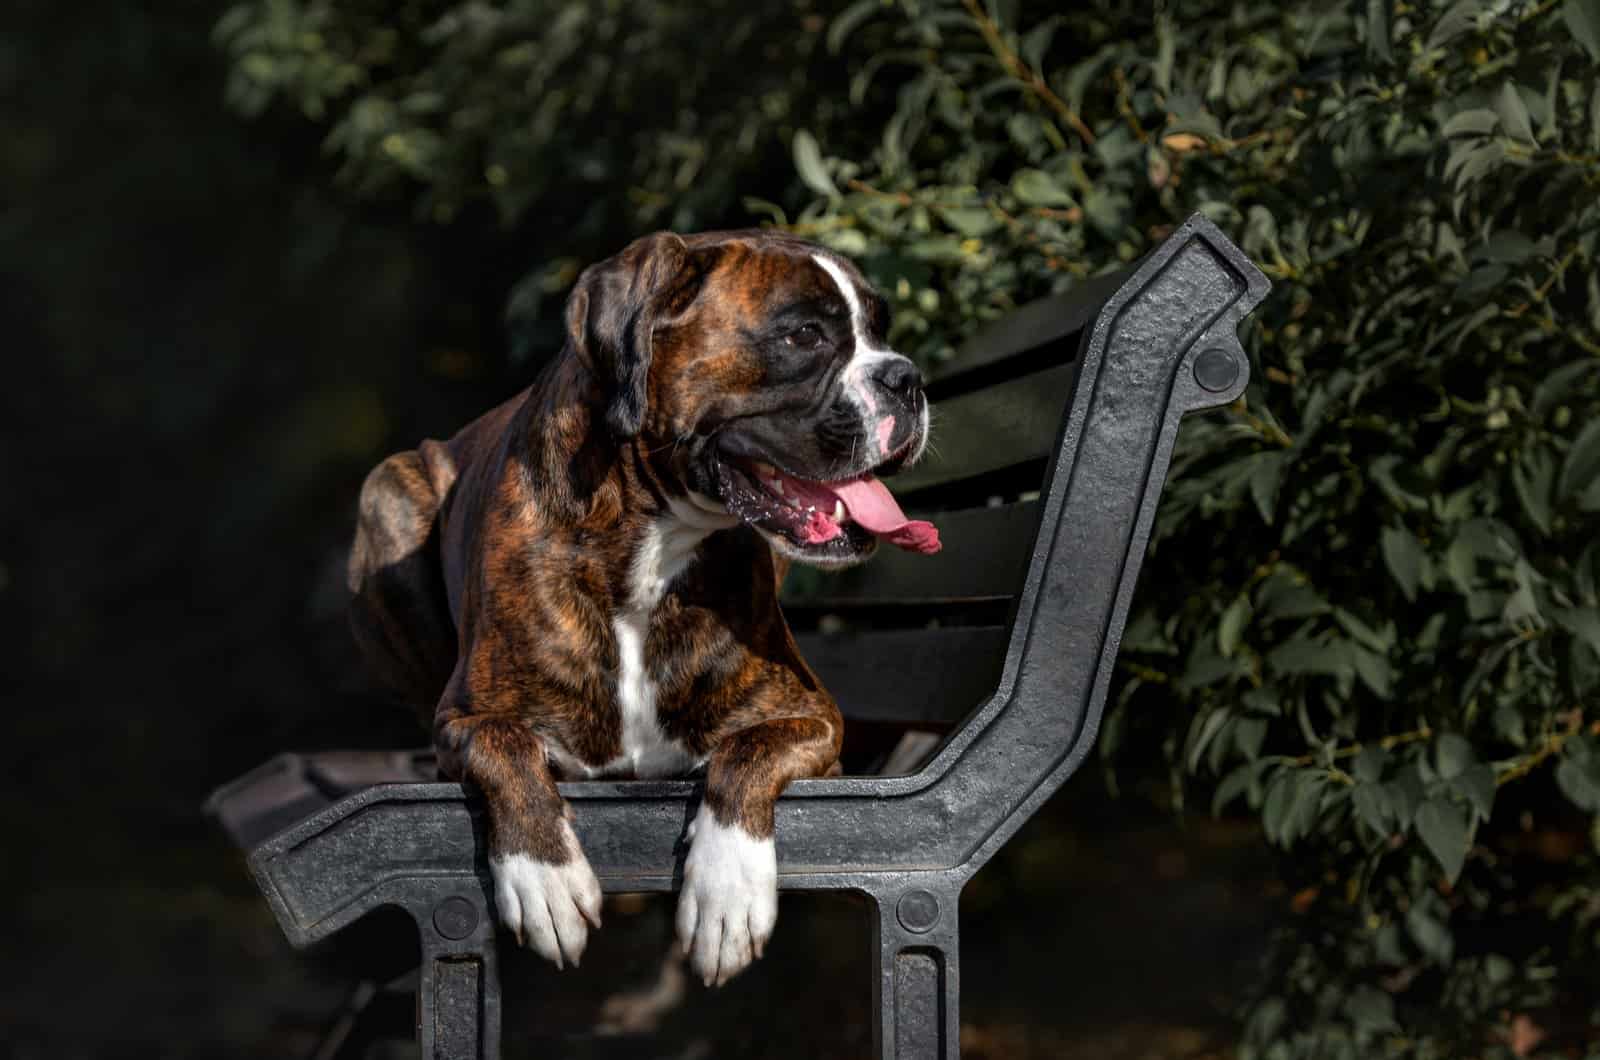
pixel 205 349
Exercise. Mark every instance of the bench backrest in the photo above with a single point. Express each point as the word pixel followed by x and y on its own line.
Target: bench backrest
pixel 915 642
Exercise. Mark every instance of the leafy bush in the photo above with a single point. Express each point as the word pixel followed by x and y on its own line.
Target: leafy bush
pixel 577 125
pixel 1395 663
pixel 1398 653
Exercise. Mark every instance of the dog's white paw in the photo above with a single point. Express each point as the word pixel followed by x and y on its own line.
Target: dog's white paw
pixel 729 903
pixel 548 907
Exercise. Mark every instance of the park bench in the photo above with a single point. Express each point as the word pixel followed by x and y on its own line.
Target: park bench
pixel 1053 433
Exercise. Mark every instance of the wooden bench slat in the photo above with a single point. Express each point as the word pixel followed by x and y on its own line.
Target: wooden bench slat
pixel 1004 425
pixel 1025 330
pixel 917 677
pixel 985 553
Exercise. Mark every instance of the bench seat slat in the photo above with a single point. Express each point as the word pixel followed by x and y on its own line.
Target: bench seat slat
pixel 914 677
pixel 985 553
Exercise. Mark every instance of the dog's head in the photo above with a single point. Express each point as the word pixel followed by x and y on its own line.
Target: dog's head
pixel 753 367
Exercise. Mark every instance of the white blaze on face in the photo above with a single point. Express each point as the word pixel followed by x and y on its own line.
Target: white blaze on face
pixel 864 361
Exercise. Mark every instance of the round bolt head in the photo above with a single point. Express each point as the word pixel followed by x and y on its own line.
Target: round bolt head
pixel 1216 369
pixel 455 918
pixel 918 911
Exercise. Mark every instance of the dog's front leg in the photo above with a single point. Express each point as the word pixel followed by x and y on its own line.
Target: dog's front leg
pixel 544 889
pixel 729 903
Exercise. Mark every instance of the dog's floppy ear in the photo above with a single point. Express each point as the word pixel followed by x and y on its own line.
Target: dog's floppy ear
pixel 612 312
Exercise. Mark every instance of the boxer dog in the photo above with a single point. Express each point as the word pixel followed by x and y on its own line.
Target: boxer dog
pixel 582 582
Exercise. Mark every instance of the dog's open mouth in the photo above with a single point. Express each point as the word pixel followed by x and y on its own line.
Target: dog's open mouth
pixel 836 521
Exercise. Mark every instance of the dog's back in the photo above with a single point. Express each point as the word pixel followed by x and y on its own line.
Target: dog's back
pixel 400 610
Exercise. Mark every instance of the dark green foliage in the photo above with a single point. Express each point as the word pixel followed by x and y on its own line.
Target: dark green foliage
pixel 1398 651
pixel 1394 659
pixel 579 123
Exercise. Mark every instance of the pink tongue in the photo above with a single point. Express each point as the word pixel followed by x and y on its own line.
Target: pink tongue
pixel 873 507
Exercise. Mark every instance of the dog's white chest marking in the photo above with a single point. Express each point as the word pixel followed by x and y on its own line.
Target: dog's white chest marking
pixel 667 550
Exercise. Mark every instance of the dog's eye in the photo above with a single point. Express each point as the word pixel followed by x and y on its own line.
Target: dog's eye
pixel 804 337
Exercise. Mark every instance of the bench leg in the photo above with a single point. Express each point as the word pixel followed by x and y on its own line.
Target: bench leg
pixel 458 988
pixel 916 991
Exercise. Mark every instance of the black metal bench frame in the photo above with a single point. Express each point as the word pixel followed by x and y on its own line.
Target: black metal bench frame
pixel 1163 345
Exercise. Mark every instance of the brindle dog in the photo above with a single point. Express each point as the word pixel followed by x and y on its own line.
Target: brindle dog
pixel 582 583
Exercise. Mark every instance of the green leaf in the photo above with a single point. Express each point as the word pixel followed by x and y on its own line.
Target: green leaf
pixel 1506 247
pixel 1561 384
pixel 1036 41
pixel 1371 1010
pixel 1582 463
pixel 1035 187
pixel 1514 114
pixel 1205 666
pixel 1446 831
pixel 1431 934
pixel 1371 803
pixel 1378 31
pixel 1452 754
pixel 1379 641
pixel 1275 807
pixel 1583 20
pixel 1405 795
pixel 1305 810
pixel 1243 780
pixel 1285 594
pixel 848 21
pixel 1368 766
pixel 1402 554
pixel 1458 19
pixel 1263 701
pixel 1479 121
pixel 1234 619
pixel 1533 477
pixel 1470 162
pixel 1405 486
pixel 1374 671
pixel 1202 731
pixel 1107 212
pixel 1476 784
pixel 1249 735
pixel 808 160
pixel 1266 477
pixel 1306 655
pixel 1166 52
pixel 1582 622
pixel 975 222
pixel 1579 780
pixel 1510 725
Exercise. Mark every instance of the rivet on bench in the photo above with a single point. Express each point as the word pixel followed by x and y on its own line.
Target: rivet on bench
pixel 918 911
pixel 455 917
pixel 1216 369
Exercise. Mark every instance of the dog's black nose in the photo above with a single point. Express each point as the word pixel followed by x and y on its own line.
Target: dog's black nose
pixel 898 375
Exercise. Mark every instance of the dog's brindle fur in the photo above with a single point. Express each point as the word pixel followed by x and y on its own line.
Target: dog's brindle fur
pixel 496 574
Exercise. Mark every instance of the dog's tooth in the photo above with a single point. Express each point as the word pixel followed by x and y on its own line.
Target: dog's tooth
pixel 838 511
